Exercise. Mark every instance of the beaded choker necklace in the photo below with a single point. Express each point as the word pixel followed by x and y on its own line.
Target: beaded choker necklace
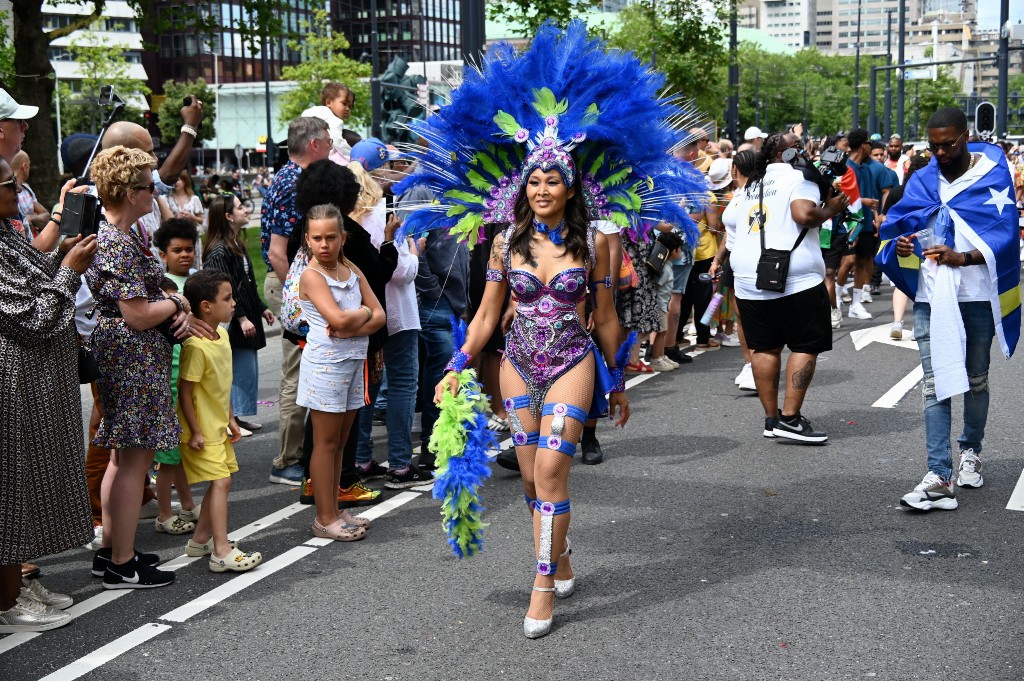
pixel 553 233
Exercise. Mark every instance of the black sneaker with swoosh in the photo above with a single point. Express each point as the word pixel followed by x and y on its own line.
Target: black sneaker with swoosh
pixel 101 559
pixel 798 429
pixel 135 575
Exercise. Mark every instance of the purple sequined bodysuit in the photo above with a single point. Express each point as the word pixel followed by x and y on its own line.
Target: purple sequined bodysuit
pixel 547 337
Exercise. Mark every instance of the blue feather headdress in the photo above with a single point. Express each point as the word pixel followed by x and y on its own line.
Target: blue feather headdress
pixel 518 111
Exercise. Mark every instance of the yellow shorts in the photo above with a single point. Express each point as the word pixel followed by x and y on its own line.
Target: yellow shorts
pixel 212 462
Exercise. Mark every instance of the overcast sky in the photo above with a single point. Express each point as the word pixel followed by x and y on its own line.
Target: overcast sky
pixel 988 13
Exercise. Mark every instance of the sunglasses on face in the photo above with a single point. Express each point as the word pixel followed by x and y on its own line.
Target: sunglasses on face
pixel 13 182
pixel 946 146
pixel 151 188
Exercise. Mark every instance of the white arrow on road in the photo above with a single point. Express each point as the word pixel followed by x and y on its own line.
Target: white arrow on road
pixel 880 334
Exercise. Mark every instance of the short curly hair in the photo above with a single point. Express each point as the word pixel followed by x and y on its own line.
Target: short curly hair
pixel 116 170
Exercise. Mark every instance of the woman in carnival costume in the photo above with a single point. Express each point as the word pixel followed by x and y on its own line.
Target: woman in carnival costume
pixel 546 142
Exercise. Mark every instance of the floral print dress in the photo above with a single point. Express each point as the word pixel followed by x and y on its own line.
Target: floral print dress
pixel 135 366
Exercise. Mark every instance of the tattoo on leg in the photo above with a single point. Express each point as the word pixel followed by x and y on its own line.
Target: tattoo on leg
pixel 802 377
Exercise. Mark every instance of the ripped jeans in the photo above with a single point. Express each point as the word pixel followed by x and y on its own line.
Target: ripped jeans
pixel 980 329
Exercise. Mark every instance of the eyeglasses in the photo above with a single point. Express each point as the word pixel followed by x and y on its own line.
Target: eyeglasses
pixel 946 146
pixel 151 188
pixel 13 182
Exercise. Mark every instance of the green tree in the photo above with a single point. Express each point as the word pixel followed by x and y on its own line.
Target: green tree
pixel 324 61
pixel 685 39
pixel 924 97
pixel 527 15
pixel 174 93
pixel 34 84
pixel 101 64
pixel 6 49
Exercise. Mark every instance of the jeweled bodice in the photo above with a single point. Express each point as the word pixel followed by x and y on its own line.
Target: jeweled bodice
pixel 547 336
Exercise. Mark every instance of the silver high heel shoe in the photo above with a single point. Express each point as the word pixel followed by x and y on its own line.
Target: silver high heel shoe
pixel 538 628
pixel 565 587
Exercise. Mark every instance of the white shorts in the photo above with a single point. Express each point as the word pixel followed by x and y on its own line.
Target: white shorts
pixel 334 387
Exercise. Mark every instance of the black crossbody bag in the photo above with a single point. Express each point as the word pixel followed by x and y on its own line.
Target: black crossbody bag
pixel 773 266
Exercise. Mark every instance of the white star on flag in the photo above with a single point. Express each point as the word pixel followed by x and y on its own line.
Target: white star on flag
pixel 1000 199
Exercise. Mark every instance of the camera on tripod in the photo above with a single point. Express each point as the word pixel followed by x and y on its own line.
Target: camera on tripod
pixel 81 213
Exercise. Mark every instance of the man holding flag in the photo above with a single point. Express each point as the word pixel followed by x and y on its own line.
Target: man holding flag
pixel 951 245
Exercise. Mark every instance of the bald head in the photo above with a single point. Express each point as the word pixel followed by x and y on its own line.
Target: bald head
pixel 19 162
pixel 131 135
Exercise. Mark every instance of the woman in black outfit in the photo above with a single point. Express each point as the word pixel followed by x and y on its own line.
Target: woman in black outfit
pixel 225 252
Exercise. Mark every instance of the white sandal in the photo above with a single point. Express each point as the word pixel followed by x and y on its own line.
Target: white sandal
pixel 196 550
pixel 235 561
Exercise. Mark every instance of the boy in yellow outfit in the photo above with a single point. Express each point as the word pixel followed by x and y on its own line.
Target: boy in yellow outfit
pixel 204 410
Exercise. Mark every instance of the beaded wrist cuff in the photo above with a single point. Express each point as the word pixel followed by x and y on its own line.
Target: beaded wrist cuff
pixel 494 275
pixel 458 362
pixel 620 385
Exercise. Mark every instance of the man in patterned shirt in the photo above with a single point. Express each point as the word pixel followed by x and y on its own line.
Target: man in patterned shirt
pixel 308 141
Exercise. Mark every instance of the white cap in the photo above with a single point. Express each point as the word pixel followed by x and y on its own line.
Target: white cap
pixel 720 173
pixel 754 132
pixel 11 109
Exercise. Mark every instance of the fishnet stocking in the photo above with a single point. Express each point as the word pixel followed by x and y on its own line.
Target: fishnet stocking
pixel 546 472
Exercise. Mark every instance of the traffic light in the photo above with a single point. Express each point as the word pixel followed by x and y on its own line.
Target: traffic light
pixel 399 101
pixel 985 120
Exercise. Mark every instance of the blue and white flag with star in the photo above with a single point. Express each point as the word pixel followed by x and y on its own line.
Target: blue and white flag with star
pixel 984 213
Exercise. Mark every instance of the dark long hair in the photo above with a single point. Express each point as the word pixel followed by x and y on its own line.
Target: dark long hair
pixel 576 221
pixel 767 155
pixel 219 230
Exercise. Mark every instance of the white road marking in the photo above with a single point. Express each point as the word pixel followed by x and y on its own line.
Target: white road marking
pixel 880 334
pixel 896 393
pixel 1016 502
pixel 239 583
pixel 391 504
pixel 101 656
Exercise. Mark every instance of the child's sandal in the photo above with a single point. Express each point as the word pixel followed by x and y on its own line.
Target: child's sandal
pixel 235 561
pixel 190 516
pixel 173 525
pixel 339 531
pixel 196 550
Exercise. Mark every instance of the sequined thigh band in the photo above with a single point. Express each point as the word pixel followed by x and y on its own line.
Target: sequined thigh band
pixel 560 410
pixel 548 510
pixel 519 436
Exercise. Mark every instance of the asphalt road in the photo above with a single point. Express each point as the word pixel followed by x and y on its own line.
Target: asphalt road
pixel 703 551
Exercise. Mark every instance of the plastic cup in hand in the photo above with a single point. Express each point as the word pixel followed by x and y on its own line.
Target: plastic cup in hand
pixel 928 239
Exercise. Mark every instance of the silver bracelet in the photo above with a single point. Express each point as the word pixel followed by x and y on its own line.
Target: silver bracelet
pixel 189 130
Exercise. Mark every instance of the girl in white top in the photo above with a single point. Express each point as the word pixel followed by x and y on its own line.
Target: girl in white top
pixel 184 203
pixel 341 311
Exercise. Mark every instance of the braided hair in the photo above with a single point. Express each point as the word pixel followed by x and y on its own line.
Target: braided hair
pixel 767 155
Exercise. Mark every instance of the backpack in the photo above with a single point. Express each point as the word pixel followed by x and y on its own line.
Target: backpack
pixel 291 310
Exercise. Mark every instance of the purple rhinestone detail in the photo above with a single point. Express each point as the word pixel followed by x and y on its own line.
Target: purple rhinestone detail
pixel 554 442
pixel 560 409
pixel 509 403
pixel 546 508
pixel 541 358
pixel 519 438
pixel 543 568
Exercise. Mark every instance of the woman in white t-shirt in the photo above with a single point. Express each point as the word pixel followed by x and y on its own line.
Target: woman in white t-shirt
pixel 184 203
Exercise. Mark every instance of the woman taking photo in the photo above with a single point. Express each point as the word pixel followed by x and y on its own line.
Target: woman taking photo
pixel 225 252
pixel 44 504
pixel 184 203
pixel 133 351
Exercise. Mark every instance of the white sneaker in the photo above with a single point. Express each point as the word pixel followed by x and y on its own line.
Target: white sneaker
pixel 746 369
pixel 970 469
pixel 730 340
pixel 837 318
pixel 857 311
pixel 865 296
pixel 663 364
pixel 930 494
pixel 97 539
pixel 896 331
pixel 745 380
pixel 844 294
pixel 244 432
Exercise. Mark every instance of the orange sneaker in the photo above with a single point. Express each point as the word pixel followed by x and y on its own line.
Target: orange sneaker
pixel 357 495
pixel 306 492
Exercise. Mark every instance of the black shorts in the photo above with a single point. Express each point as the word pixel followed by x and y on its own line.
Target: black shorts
pixel 727 280
pixel 867 244
pixel 801 321
pixel 834 254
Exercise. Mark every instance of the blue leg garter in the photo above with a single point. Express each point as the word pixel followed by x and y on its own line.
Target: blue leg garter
pixel 548 510
pixel 519 436
pixel 560 411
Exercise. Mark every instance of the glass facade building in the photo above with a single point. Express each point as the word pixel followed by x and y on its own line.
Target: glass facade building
pixel 416 30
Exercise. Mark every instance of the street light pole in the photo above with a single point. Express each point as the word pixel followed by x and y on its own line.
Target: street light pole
pixel 856 72
pixel 917 112
pixel 757 98
pixel 901 85
pixel 1003 64
pixel 887 123
pixel 375 94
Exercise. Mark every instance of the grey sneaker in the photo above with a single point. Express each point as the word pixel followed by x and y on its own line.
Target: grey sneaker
pixel 970 469
pixel 932 493
pixel 29 614
pixel 896 330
